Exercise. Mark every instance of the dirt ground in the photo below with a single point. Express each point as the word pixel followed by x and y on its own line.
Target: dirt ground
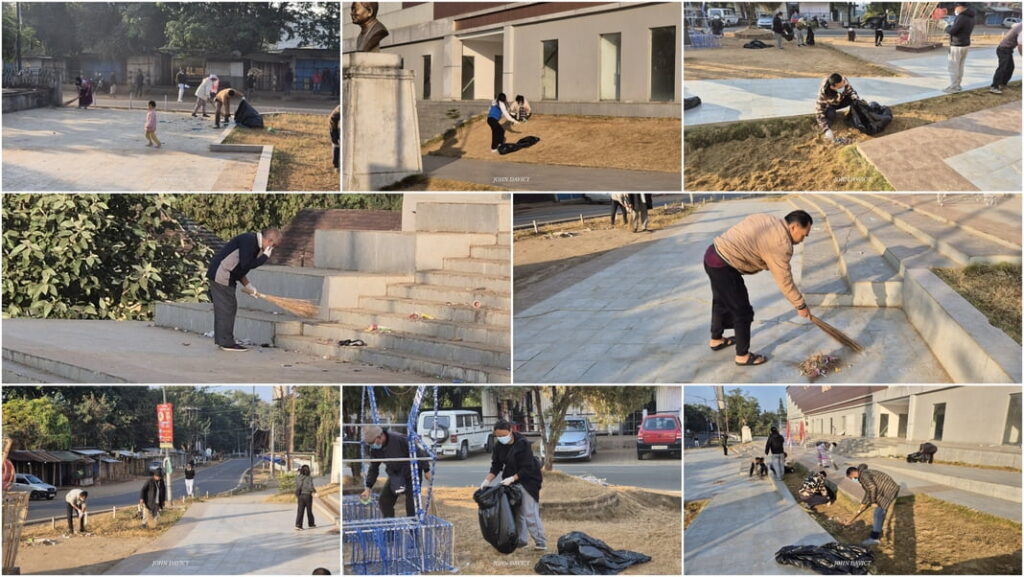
pixel 788 154
pixel 302 151
pixel 642 521
pixel 693 508
pixel 592 141
pixel 109 542
pixel 927 536
pixel 995 290
pixel 733 61
pixel 421 182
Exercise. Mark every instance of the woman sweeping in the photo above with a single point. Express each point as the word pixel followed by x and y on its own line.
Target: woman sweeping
pixel 84 92
pixel 497 112
pixel 513 459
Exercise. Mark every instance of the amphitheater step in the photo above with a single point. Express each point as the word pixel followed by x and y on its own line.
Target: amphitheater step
pixel 25 374
pixel 494 251
pixel 252 326
pixel 500 268
pixel 457 352
pixel 995 216
pixel 947 238
pixel 431 327
pixel 466 280
pixel 431 368
pixel 459 313
pixel 38 366
pixel 456 295
pixel 822 282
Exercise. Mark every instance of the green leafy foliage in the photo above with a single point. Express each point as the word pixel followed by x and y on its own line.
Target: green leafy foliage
pixel 286 483
pixel 39 422
pixel 102 256
pixel 228 215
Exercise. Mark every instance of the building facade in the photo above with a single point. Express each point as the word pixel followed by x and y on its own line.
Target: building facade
pixel 557 52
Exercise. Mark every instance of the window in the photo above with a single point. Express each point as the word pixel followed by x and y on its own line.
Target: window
pixel 863 424
pixel 938 420
pixel 1011 434
pixel 549 71
pixel 468 77
pixel 426 77
pixel 611 65
pixel 663 64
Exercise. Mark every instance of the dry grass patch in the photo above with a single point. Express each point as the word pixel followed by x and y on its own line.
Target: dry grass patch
pixel 926 535
pixel 423 182
pixel 995 290
pixel 732 61
pixel 788 154
pixel 636 143
pixel 693 508
pixel 302 151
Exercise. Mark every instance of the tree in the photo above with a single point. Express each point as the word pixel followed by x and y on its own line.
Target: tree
pixel 226 27
pixel 317 25
pixel 36 424
pixel 697 418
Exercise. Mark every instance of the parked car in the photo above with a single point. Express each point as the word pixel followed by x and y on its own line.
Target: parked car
pixel 455 432
pixel 764 21
pixel 35 486
pixel 156 465
pixel 1009 22
pixel 578 440
pixel 659 433
pixel 597 197
pixel 728 15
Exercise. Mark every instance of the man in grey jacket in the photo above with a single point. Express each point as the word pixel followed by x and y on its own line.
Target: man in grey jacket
pixel 304 490
pixel 230 266
pixel 387 445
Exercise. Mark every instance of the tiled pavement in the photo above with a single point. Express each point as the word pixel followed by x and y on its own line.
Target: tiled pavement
pixel 977 151
pixel 69 150
pixel 968 210
pixel 530 176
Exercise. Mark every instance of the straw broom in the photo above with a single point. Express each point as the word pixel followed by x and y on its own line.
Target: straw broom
pixel 297 307
pixel 837 334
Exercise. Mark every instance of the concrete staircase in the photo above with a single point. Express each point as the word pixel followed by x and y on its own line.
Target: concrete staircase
pixel 865 244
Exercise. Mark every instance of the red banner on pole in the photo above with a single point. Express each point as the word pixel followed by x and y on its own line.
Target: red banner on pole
pixel 165 425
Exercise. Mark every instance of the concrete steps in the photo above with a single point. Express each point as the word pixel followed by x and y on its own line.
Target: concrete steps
pixel 422 365
pixel 442 311
pixel 473 332
pixel 456 295
pixel 491 251
pixel 962 245
pixel 458 352
pixel 32 367
pixel 26 374
pixel 498 268
pixel 254 326
pixel 466 280
pixel 822 283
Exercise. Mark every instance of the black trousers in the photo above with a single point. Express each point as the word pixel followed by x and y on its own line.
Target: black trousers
pixel 1004 71
pixel 830 112
pixel 879 35
pixel 616 207
pixel 730 306
pixel 71 520
pixel 497 132
pixel 388 498
pixel 225 307
pixel 305 503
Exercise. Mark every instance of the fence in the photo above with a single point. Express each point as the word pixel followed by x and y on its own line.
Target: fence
pixel 35 78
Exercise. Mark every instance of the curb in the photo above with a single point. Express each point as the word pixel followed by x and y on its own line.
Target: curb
pixel 967 346
pixel 266 152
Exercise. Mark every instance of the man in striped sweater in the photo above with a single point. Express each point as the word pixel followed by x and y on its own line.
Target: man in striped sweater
pixel 835 93
pixel 880 490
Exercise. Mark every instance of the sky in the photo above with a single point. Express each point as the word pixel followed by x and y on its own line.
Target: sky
pixel 767 396
pixel 265 393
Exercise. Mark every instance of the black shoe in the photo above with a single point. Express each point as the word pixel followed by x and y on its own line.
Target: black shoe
pixel 312 527
pixel 233 348
pixel 297 528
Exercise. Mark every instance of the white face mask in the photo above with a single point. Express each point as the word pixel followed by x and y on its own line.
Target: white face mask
pixel 505 440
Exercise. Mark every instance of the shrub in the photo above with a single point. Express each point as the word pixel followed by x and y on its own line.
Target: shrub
pixel 286 483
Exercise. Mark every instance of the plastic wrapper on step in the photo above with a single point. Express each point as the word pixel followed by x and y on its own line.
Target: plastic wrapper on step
pixel 496 513
pixel 829 559
pixel 869 118
pixel 581 554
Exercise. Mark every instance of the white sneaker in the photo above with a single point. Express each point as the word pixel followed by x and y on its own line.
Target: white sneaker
pixel 995 90
pixel 870 542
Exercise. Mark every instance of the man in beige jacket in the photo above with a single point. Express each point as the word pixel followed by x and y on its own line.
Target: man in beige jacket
pixel 759 242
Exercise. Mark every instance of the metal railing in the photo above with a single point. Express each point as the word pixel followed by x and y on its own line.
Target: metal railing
pixel 34 78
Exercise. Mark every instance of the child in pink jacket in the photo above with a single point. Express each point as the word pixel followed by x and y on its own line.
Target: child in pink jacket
pixel 151 125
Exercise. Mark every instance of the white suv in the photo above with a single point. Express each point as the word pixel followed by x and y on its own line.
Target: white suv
pixel 456 432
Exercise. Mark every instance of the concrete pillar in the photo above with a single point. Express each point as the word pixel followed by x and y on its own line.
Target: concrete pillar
pixel 508 39
pixel 912 432
pixel 451 64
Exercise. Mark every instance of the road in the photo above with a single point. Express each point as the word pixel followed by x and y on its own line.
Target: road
pixel 212 478
pixel 566 211
pixel 660 473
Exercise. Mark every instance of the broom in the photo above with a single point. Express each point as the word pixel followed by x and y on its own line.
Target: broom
pixel 297 307
pixel 837 334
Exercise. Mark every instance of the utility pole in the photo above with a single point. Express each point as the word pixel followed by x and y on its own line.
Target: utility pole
pixel 252 436
pixel 273 418
pixel 17 44
pixel 291 429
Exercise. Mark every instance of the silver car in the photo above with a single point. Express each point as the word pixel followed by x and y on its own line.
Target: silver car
pixel 33 485
pixel 578 440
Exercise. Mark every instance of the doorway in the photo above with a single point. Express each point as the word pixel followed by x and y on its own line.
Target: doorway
pixel 549 71
pixel 938 420
pixel 611 65
pixel 468 78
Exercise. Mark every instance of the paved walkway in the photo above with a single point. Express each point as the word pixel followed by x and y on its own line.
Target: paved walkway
pixel 528 176
pixel 70 150
pixel 943 482
pixel 746 522
pixel 979 151
pixel 751 99
pixel 137 352
pixel 235 536
pixel 646 319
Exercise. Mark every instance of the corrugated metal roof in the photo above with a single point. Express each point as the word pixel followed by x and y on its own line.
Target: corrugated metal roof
pixel 70 457
pixel 109 460
pixel 34 456
pixel 89 452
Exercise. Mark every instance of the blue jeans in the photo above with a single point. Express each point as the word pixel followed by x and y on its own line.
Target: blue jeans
pixel 778 465
pixel 876 527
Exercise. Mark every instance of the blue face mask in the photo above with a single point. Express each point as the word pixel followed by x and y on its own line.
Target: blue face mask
pixel 376 446
pixel 857 479
pixel 505 440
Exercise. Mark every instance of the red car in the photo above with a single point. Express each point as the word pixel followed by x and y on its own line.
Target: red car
pixel 660 433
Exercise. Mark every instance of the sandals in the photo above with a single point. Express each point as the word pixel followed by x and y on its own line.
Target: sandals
pixel 352 343
pixel 753 359
pixel 726 342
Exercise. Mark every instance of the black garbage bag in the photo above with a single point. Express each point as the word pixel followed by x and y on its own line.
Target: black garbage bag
pixel 527 141
pixel 247 116
pixel 869 118
pixel 496 513
pixel 691 102
pixel 829 559
pixel 508 147
pixel 810 36
pixel 581 554
pixel 915 457
pixel 755 44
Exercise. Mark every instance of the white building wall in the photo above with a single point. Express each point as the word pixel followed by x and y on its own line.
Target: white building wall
pixel 412 59
pixel 973 414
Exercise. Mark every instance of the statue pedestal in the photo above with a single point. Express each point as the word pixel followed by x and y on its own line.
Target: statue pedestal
pixel 381 137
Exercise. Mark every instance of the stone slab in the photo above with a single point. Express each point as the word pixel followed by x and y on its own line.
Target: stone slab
pixel 996 215
pixel 993 167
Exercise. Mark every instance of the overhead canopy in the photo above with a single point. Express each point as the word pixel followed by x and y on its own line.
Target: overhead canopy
pixel 69 457
pixel 89 452
pixel 108 460
pixel 33 457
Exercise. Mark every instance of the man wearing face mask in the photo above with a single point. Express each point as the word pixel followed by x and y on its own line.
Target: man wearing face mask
pixel 513 459
pixel 387 445
pixel 879 489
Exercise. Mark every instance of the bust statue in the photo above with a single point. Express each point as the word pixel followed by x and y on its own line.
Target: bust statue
pixel 371 30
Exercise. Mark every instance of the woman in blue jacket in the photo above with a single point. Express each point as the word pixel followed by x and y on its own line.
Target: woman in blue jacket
pixel 497 112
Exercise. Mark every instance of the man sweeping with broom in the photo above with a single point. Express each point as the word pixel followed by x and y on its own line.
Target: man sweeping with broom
pixel 231 265
pixel 759 242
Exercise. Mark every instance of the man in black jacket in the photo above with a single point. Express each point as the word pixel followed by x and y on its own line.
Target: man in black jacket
pixel 513 459
pixel 231 265
pixel 775 447
pixel 387 445
pixel 959 43
pixel 152 498
pixel 777 29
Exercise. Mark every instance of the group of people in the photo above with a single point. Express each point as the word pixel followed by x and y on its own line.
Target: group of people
pixel 211 92
pixel 634 209
pixel 795 28
pixel 513 464
pixel 500 110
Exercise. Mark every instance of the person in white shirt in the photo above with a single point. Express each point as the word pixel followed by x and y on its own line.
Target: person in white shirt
pixel 75 500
